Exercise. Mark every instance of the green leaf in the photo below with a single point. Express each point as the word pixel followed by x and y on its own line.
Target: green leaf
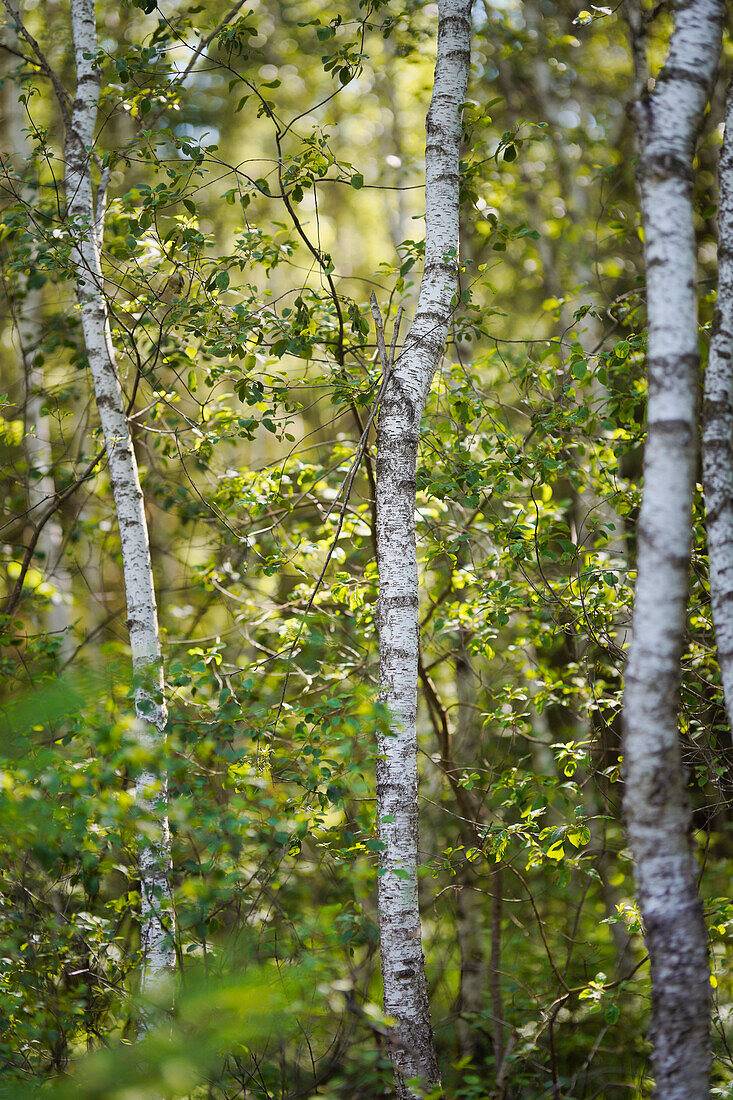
pixel 579 836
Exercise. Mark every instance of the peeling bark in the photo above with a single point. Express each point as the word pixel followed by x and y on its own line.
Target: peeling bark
pixel 156 929
pixel 717 426
pixel 656 809
pixel 403 963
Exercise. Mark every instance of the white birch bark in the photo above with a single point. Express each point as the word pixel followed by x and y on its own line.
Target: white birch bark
pixel 403 963
pixel 717 426
pixel 157 950
pixel 655 803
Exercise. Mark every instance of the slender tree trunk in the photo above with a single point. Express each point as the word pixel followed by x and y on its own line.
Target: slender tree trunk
pixel 395 206
pixel 657 814
pixel 403 963
pixel 470 925
pixel 26 310
pixel 157 948
pixel 717 426
pixel 497 1000
pixel 41 485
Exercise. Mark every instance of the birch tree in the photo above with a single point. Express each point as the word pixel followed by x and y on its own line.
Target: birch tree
pixel 717 426
pixel 655 802
pixel 244 411
pixel 86 227
pixel 405 394
pixel 85 223
pixel 26 311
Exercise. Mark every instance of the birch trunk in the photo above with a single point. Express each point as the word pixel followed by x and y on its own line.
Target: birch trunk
pixel 41 485
pixel 403 963
pixel 157 925
pixel 657 815
pixel 717 426
pixel 38 446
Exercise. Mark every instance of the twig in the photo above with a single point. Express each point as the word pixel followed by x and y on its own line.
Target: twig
pixel 15 596
pixel 346 489
pixel 61 94
pixel 206 42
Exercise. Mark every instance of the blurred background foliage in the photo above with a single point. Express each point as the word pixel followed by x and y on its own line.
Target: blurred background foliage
pixel 265 175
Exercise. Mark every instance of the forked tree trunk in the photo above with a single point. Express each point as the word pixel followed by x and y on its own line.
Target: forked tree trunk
pixel 157 947
pixel 717 426
pixel 655 802
pixel 403 963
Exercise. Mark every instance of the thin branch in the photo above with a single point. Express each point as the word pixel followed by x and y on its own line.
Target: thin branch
pixel 62 95
pixel 346 489
pixel 206 42
pixel 22 56
pixel 16 595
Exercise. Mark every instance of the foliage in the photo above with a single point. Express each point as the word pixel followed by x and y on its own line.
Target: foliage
pixel 253 202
